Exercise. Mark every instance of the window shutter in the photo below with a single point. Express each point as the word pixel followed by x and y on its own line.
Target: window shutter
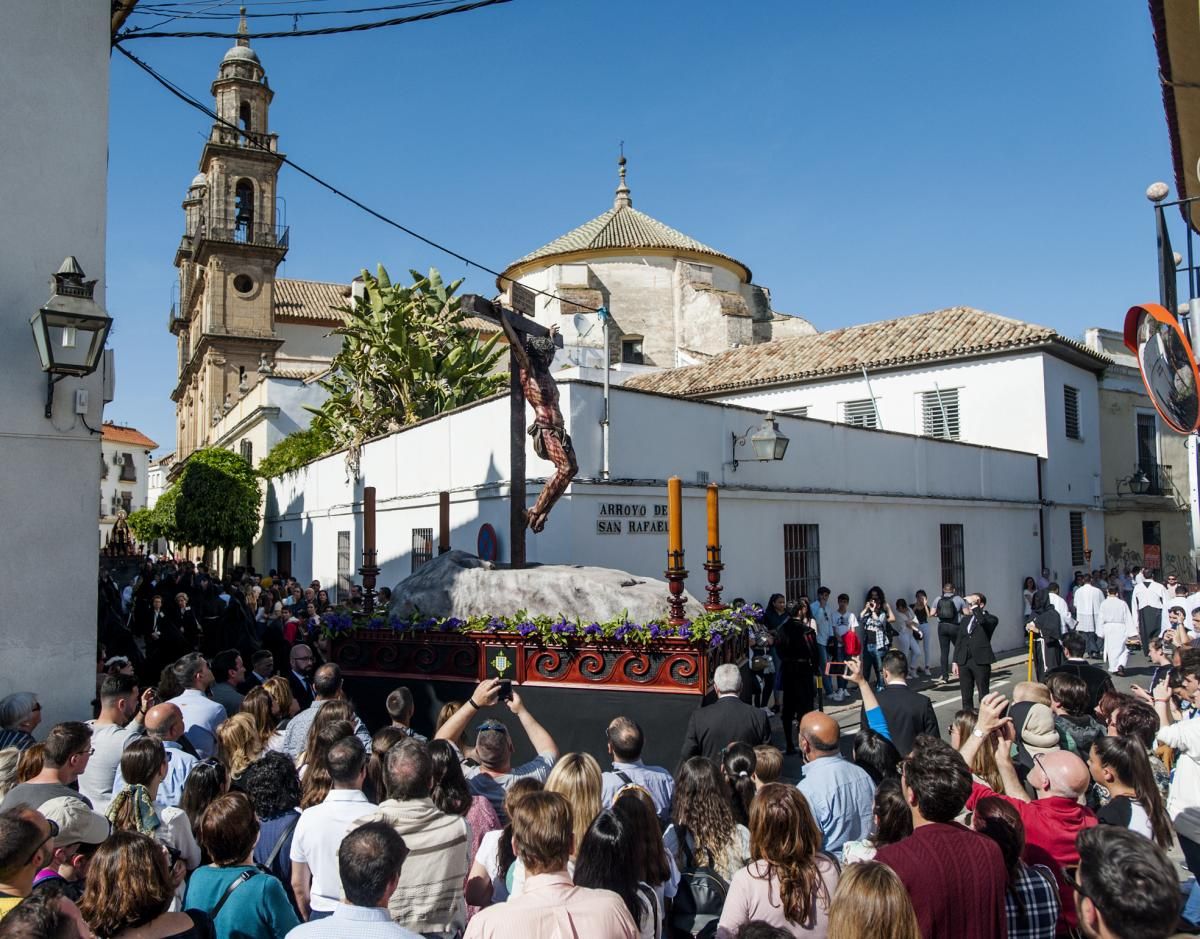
pixel 939 414
pixel 1071 411
pixel 860 413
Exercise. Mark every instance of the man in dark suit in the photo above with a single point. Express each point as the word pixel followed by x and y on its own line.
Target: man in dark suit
pixel 908 712
pixel 1098 680
pixel 727 720
pixel 262 667
pixel 973 655
pixel 300 674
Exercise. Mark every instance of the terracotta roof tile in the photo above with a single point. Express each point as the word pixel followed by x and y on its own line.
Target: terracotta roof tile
pixel 310 300
pixel 623 227
pixel 114 433
pixel 924 337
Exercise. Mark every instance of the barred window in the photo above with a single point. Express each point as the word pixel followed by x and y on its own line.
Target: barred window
pixel 954 566
pixel 422 547
pixel 939 414
pixel 343 566
pixel 1077 555
pixel 801 561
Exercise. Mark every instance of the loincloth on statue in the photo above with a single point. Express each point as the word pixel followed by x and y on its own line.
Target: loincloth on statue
pixel 557 431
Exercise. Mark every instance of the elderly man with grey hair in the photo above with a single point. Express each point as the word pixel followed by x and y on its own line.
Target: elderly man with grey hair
pixel 728 719
pixel 20 713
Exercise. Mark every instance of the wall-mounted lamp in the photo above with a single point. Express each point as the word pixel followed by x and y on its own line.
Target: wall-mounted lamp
pixel 1138 483
pixel 70 329
pixel 767 441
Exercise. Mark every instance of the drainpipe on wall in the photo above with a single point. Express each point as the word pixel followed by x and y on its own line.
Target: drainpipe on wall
pixel 1041 518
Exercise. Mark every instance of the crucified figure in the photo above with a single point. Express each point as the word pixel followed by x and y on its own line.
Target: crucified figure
pixel 550 438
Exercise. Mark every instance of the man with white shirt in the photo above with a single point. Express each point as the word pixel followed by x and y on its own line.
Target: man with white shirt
pixel 1088 598
pixel 823 616
pixel 1149 598
pixel 201 714
pixel 117 724
pixel 164 722
pixel 1061 608
pixel 316 880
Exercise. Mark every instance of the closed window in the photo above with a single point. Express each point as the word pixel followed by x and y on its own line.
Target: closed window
pixel 861 413
pixel 1077 555
pixel 939 414
pixel 422 547
pixel 954 565
pixel 246 449
pixel 343 565
pixel 1071 411
pixel 128 470
pixel 801 561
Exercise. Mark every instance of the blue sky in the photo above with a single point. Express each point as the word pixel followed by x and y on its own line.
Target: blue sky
pixel 866 160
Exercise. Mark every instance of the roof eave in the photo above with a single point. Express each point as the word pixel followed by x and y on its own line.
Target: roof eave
pixel 1176 24
pixel 518 269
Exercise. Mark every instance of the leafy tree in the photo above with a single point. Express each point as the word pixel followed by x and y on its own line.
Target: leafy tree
pixel 406 355
pixel 158 522
pixel 218 500
pixel 294 450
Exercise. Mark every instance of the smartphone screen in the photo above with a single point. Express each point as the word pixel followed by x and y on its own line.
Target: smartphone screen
pixel 506 691
pixel 835 669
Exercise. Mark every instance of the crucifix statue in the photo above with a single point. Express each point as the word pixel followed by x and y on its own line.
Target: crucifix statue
pixel 531 351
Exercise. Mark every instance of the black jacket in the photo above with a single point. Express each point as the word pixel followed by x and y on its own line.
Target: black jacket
pixel 908 714
pixel 302 695
pixel 727 720
pixel 977 643
pixel 1098 680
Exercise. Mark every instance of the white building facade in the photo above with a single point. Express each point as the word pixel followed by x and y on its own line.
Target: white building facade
pixel 54 62
pixel 124 474
pixel 913 511
pixel 957 374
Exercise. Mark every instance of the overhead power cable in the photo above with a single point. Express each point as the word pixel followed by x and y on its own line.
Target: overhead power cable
pixel 323 31
pixel 205 15
pixel 199 105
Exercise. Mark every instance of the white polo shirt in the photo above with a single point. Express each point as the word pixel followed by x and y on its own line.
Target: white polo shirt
pixel 318 836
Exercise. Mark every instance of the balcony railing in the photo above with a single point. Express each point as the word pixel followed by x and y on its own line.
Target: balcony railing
pixel 238 232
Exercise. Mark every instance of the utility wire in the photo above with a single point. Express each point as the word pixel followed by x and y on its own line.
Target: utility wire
pixel 205 15
pixel 206 110
pixel 325 31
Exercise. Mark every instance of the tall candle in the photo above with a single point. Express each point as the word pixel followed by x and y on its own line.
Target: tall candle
pixel 675 521
pixel 368 518
pixel 714 517
pixel 1085 541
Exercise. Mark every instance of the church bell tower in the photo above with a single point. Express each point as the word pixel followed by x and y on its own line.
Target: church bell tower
pixel 228 256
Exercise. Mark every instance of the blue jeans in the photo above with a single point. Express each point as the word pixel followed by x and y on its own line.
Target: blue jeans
pixel 872 660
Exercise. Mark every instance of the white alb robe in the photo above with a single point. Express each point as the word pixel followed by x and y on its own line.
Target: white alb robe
pixel 1116 624
pixel 1087 607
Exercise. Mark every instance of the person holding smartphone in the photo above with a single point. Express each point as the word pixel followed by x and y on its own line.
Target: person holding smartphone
pixel 973 654
pixel 875 627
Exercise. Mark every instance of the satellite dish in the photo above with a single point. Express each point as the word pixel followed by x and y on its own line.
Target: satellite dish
pixel 583 324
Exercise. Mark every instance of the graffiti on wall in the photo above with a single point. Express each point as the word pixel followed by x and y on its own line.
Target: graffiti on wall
pixel 1124 555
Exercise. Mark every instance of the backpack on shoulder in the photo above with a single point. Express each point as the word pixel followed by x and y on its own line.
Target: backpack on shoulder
pixel 947 612
pixel 700 896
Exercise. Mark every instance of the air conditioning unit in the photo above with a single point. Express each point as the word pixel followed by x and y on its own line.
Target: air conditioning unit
pixel 118 460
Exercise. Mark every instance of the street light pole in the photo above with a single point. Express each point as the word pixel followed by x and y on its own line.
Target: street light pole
pixel 604 467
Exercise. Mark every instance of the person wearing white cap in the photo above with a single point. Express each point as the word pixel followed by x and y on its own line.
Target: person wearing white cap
pixel 80 832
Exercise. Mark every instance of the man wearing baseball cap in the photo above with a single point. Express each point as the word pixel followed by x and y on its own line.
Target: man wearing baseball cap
pixel 80 832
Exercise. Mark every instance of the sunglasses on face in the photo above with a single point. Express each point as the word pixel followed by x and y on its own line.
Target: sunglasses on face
pixel 493 725
pixel 41 844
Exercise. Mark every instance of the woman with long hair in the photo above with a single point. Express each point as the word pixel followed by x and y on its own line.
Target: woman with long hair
pixel 650 860
pixel 129 889
pixel 789 882
pixel 1121 766
pixel 703 822
pixel 893 821
pixel 489 879
pixel 875 631
pixel 452 795
pixel 259 704
pixel 238 744
pixel 1028 589
pixel 207 780
pixel 330 712
pixel 983 766
pixel 602 863
pixel 447 711
pixel 774 615
pixel 258 908
pixel 870 900
pixel 286 705
pixel 144 767
pixel 317 781
pixel 877 755
pixel 382 741
pixel 1031 899
pixel 576 777
pixel 920 612
pixel 738 762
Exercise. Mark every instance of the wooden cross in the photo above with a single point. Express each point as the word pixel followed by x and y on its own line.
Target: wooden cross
pixel 516 327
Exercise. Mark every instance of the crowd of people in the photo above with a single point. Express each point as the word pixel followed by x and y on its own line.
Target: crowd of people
pixel 226 787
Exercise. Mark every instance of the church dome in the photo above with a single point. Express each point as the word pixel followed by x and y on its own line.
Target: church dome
pixel 623 228
pixel 199 180
pixel 240 53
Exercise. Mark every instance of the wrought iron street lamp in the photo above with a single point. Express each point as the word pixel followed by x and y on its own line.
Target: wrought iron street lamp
pixel 70 328
pixel 767 441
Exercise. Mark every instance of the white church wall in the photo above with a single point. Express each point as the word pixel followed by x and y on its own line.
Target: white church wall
pixel 878 498
pixel 302 343
pixel 54 66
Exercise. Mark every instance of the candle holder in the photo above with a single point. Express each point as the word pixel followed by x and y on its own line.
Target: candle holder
pixel 1087 558
pixel 369 571
pixel 676 575
pixel 714 567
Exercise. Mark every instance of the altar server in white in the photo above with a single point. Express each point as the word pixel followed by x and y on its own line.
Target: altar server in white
pixel 1116 624
pixel 1088 598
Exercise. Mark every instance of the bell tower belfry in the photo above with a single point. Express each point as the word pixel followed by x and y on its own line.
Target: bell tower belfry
pixel 228 256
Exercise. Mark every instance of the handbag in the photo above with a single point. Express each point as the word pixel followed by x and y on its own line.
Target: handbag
pixel 759 663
